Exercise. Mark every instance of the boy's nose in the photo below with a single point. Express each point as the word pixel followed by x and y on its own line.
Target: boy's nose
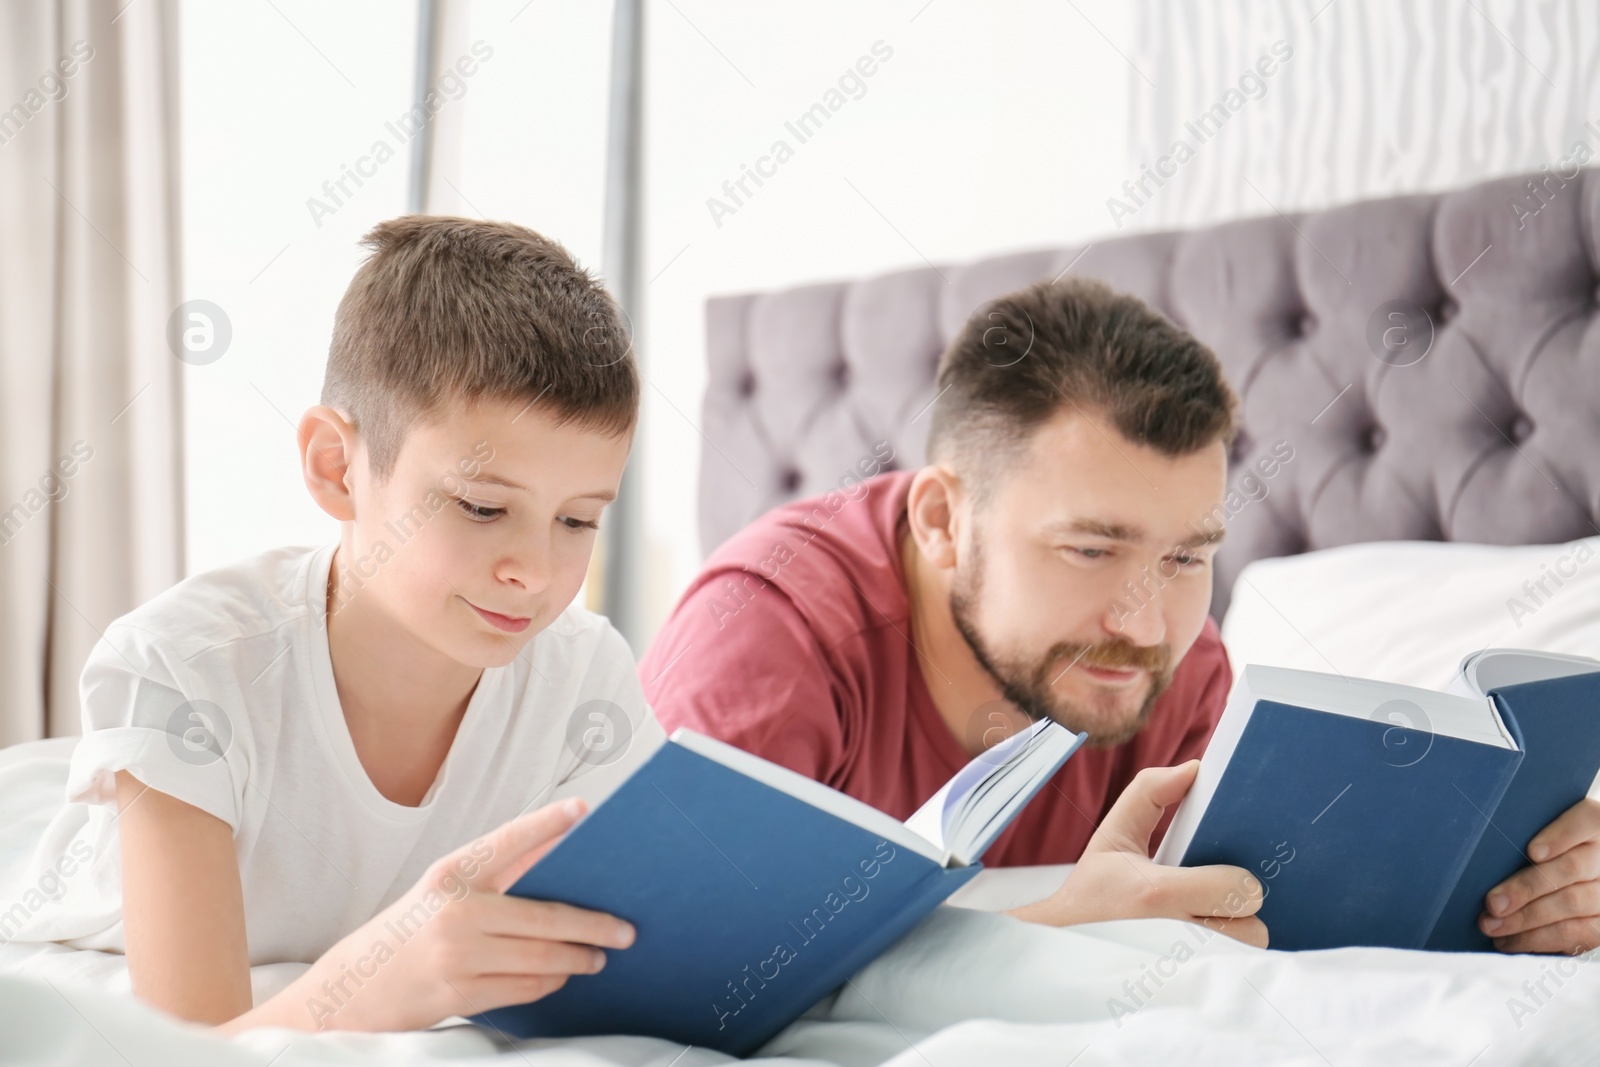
pixel 529 570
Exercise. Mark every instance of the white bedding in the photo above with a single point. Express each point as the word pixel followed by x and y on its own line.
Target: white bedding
pixel 965 987
pixel 969 987
pixel 1408 611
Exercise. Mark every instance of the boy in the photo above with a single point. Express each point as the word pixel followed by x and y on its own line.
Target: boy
pixel 294 742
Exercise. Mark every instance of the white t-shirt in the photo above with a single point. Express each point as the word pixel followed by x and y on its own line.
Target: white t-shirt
pixel 220 692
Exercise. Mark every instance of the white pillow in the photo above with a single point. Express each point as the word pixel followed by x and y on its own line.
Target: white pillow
pixel 1408 611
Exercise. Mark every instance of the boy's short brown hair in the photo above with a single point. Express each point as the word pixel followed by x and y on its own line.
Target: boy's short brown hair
pixel 452 309
pixel 1074 344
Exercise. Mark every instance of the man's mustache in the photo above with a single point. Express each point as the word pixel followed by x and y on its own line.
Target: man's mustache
pixel 1117 654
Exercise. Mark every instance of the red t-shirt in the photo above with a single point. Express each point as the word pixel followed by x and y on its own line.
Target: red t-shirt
pixel 793 643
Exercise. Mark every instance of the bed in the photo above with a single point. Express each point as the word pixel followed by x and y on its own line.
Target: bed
pixel 1426 492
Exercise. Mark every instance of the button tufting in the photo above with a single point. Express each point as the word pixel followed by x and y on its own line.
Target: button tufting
pixel 747 384
pixel 1240 447
pixel 1521 428
pixel 1447 310
pixel 1305 324
pixel 841 374
pixel 1374 438
pixel 790 479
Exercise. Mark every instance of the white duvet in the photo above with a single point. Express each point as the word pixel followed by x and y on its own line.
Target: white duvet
pixel 965 987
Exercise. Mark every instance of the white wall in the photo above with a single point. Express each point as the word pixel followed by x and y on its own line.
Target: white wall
pixel 990 127
pixel 274 103
pixel 1378 98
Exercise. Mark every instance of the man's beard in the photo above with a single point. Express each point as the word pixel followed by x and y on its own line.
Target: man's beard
pixel 1031 686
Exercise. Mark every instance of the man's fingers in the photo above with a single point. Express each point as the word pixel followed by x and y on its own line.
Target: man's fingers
pixel 1132 819
pixel 1572 902
pixel 1163 787
pixel 1579 864
pixel 1570 936
pixel 1215 890
pixel 1577 824
pixel 527 956
pixel 1250 930
pixel 515 917
pixel 505 853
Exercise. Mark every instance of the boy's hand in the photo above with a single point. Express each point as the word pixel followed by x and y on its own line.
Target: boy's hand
pixel 1116 879
pixel 1554 905
pixel 455 944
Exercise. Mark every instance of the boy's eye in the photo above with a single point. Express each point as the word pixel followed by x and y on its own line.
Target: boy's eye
pixel 578 524
pixel 477 512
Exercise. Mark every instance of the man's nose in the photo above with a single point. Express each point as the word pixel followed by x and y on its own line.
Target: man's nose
pixel 1139 622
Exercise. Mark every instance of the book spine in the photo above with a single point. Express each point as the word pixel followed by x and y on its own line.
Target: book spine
pixel 1453 881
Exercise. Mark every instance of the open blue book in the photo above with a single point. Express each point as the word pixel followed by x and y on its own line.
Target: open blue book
pixel 754 890
pixel 1379 814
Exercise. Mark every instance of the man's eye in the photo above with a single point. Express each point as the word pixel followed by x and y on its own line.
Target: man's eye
pixel 579 524
pixel 1188 559
pixel 477 512
pixel 1091 553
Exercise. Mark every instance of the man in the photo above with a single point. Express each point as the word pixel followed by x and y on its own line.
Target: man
pixel 1053 559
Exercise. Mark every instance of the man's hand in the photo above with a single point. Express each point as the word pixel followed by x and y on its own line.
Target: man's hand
pixel 1554 905
pixel 1116 879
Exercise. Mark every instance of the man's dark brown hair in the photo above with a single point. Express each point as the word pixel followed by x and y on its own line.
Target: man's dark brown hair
pixel 1074 344
pixel 450 310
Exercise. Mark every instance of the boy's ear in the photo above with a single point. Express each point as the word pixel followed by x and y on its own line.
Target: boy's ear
pixel 932 511
pixel 327 451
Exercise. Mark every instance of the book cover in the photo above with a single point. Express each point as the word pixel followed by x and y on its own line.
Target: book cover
pixel 1352 845
pixel 800 898
pixel 1557 721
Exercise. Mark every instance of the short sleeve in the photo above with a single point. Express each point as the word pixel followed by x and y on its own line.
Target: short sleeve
pixel 142 716
pixel 755 677
pixel 611 730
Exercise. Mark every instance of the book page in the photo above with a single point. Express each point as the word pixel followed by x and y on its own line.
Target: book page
pixel 1224 739
pixel 936 819
pixel 816 794
pixel 1493 668
pixel 1444 714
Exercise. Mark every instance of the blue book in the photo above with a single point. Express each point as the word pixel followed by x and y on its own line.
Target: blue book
pixel 756 891
pixel 1380 814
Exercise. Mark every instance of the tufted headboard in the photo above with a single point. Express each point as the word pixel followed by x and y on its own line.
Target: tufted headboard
pixel 1475 417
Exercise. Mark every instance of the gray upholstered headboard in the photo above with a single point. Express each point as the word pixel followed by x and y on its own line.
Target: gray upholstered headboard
pixel 1493 436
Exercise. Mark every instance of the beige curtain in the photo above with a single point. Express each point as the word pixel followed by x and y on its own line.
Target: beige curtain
pixel 90 425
